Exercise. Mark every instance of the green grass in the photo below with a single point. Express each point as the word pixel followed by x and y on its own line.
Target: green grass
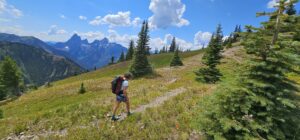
pixel 61 107
pixel 54 106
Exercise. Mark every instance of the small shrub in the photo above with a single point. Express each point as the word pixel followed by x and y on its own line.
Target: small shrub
pixel 82 89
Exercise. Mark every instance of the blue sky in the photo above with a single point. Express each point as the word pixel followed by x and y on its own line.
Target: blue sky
pixel 191 21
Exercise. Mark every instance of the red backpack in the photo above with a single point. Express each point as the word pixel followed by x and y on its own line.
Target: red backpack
pixel 116 85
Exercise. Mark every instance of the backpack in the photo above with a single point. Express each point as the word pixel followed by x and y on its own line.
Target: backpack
pixel 116 85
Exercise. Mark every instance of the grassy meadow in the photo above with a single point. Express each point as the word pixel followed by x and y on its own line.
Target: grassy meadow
pixel 59 112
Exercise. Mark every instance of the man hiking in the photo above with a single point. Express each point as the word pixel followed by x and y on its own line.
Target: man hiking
pixel 121 94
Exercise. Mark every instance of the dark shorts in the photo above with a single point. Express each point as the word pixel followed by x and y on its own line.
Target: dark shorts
pixel 121 97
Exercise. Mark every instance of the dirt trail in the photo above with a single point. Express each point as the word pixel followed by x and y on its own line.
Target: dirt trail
pixel 231 53
pixel 157 102
pixel 193 61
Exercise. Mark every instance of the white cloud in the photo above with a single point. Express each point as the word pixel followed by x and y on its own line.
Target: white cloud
pixel 124 40
pixel 96 21
pixel 113 20
pixel 62 16
pixel 272 3
pixel 91 36
pixel 202 38
pixel 166 41
pixel 137 21
pixel 55 31
pixel 9 10
pixel 119 19
pixel 82 18
pixel 167 13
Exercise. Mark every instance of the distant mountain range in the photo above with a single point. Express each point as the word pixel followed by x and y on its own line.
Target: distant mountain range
pixel 88 55
pixel 38 66
pixel 57 60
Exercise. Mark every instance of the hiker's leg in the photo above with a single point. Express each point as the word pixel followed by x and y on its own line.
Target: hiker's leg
pixel 127 105
pixel 116 107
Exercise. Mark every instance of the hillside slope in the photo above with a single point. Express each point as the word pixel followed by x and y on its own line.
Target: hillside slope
pixel 37 65
pixel 59 112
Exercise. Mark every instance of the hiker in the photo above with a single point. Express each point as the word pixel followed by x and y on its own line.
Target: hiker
pixel 121 94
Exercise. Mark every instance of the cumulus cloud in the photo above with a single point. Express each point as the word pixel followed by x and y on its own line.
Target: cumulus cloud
pixel 8 9
pixel 202 38
pixel 82 18
pixel 91 36
pixel 124 40
pixel 137 21
pixel 167 13
pixel 113 20
pixel 119 19
pixel 54 30
pixel 96 21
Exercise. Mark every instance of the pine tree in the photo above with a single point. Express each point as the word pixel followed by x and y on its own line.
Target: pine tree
pixel 112 60
pixel 211 58
pixel 130 51
pixel 10 76
pixel 261 104
pixel 173 45
pixel 140 65
pixel 122 57
pixel 291 10
pixel 176 61
pixel 146 38
pixel 82 89
pixel 3 93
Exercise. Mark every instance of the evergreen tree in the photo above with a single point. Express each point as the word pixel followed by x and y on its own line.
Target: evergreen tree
pixel 82 89
pixel 173 45
pixel 112 60
pixel 122 57
pixel 211 58
pixel 3 93
pixel 10 76
pixel 130 51
pixel 260 105
pixel 291 10
pixel 140 65
pixel 176 61
pixel 146 38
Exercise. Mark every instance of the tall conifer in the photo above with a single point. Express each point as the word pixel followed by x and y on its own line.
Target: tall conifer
pixel 261 103
pixel 140 65
pixel 130 51
pixel 211 58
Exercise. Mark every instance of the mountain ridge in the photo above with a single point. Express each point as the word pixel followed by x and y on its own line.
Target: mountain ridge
pixel 89 54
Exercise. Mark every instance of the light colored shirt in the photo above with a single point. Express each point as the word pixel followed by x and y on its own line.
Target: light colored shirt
pixel 124 84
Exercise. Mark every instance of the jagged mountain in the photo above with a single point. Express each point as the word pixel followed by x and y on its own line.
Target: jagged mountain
pixel 38 66
pixel 88 55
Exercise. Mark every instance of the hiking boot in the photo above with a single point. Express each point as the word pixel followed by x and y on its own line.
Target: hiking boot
pixel 113 118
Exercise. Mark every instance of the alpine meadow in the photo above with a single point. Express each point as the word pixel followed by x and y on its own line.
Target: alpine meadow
pixel 157 69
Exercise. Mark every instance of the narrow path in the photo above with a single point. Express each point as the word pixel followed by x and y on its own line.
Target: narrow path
pixel 157 102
